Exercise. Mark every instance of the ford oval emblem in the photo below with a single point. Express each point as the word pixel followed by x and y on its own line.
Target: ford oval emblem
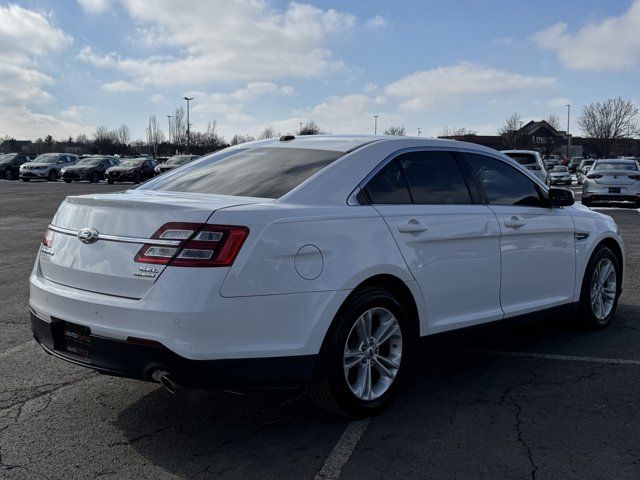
pixel 88 235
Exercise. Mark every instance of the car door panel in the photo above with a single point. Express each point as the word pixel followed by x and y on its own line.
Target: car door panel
pixel 455 260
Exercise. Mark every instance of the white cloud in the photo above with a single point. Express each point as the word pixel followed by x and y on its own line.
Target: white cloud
pixel 377 22
pixel 558 102
pixel 158 98
pixel 20 122
pixel 120 86
pixel 229 41
pixel 612 43
pixel 424 89
pixel 95 6
pixel 74 111
pixel 26 36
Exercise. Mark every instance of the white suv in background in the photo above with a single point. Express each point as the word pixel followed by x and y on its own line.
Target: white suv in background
pixel 531 160
pixel 46 166
pixel 317 259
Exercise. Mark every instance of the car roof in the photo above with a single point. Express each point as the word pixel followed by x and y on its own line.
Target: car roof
pixel 531 152
pixel 616 160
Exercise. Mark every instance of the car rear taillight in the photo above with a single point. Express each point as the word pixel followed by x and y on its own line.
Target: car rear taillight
pixel 594 175
pixel 47 240
pixel 634 177
pixel 200 245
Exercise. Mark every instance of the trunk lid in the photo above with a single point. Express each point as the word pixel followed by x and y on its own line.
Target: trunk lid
pixel 615 177
pixel 108 266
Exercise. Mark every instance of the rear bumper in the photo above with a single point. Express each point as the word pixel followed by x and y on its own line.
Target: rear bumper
pixel 132 360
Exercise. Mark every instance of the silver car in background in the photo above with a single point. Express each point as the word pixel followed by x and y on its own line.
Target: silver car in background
pixel 46 166
pixel 614 180
pixel 559 175
pixel 531 160
pixel 583 169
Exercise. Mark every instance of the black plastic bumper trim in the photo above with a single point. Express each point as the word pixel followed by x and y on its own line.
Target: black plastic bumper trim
pixel 132 360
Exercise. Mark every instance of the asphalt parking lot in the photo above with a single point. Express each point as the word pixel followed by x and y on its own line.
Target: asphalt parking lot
pixel 540 400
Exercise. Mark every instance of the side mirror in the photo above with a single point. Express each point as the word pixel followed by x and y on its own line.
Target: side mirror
pixel 561 197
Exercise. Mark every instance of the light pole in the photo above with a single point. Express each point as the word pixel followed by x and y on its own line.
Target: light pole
pixel 188 125
pixel 568 138
pixel 375 124
pixel 169 131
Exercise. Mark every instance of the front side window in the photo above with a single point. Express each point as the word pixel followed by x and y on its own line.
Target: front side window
pixel 434 178
pixel 502 183
pixel 264 172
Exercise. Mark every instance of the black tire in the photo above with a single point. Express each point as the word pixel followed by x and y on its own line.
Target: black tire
pixel 95 177
pixel 53 176
pixel 8 174
pixel 136 179
pixel 25 179
pixel 586 202
pixel 586 315
pixel 66 180
pixel 328 386
pixel 109 181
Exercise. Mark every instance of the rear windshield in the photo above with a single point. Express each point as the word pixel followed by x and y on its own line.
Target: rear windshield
pixel 522 158
pixel 616 166
pixel 560 168
pixel 179 160
pixel 265 172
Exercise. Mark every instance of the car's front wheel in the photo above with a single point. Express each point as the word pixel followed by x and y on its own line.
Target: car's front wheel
pixel 364 356
pixel 600 289
pixel 53 176
pixel 8 174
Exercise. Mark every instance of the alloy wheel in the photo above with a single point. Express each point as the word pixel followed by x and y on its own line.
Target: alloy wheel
pixel 372 353
pixel 604 284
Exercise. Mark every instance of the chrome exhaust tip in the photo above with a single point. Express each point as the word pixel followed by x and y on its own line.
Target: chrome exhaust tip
pixel 164 379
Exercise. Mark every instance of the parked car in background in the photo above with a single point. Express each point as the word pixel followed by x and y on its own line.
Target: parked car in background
pixel 583 169
pixel 46 166
pixel 174 162
pixel 318 260
pixel 531 160
pixel 89 168
pixel 613 180
pixel 133 170
pixel 559 175
pixel 10 164
pixel 551 161
pixel 573 164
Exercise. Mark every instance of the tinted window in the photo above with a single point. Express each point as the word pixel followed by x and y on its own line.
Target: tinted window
pixel 522 158
pixel 267 172
pixel 631 165
pixel 388 186
pixel 503 184
pixel 434 178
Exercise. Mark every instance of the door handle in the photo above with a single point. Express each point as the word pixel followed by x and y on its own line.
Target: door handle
pixel 412 227
pixel 514 222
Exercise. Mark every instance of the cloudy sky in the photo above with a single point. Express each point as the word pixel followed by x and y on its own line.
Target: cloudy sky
pixel 68 66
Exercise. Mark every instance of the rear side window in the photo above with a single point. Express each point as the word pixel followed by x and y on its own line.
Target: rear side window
pixel 266 172
pixel 434 178
pixel 523 158
pixel 502 183
pixel 388 186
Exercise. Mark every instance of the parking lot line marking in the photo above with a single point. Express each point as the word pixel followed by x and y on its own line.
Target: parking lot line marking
pixel 548 356
pixel 341 453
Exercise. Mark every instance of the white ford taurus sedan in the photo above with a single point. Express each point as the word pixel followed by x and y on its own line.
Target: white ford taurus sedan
pixel 317 260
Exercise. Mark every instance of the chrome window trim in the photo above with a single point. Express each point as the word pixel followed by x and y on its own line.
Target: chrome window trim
pixel 119 238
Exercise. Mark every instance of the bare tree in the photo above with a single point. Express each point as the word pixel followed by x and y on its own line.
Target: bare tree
pixel 154 134
pixel 268 132
pixel 399 131
pixel 457 132
pixel 238 139
pixel 179 127
pixel 608 122
pixel 509 131
pixel 104 139
pixel 212 141
pixel 122 134
pixel 311 128
pixel 82 138
pixel 554 121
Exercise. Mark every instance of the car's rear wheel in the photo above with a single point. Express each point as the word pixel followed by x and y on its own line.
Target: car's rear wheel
pixel 601 288
pixel 137 178
pixel 53 176
pixel 109 181
pixel 586 202
pixel 364 356
pixel 95 177
pixel 26 179
pixel 66 180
